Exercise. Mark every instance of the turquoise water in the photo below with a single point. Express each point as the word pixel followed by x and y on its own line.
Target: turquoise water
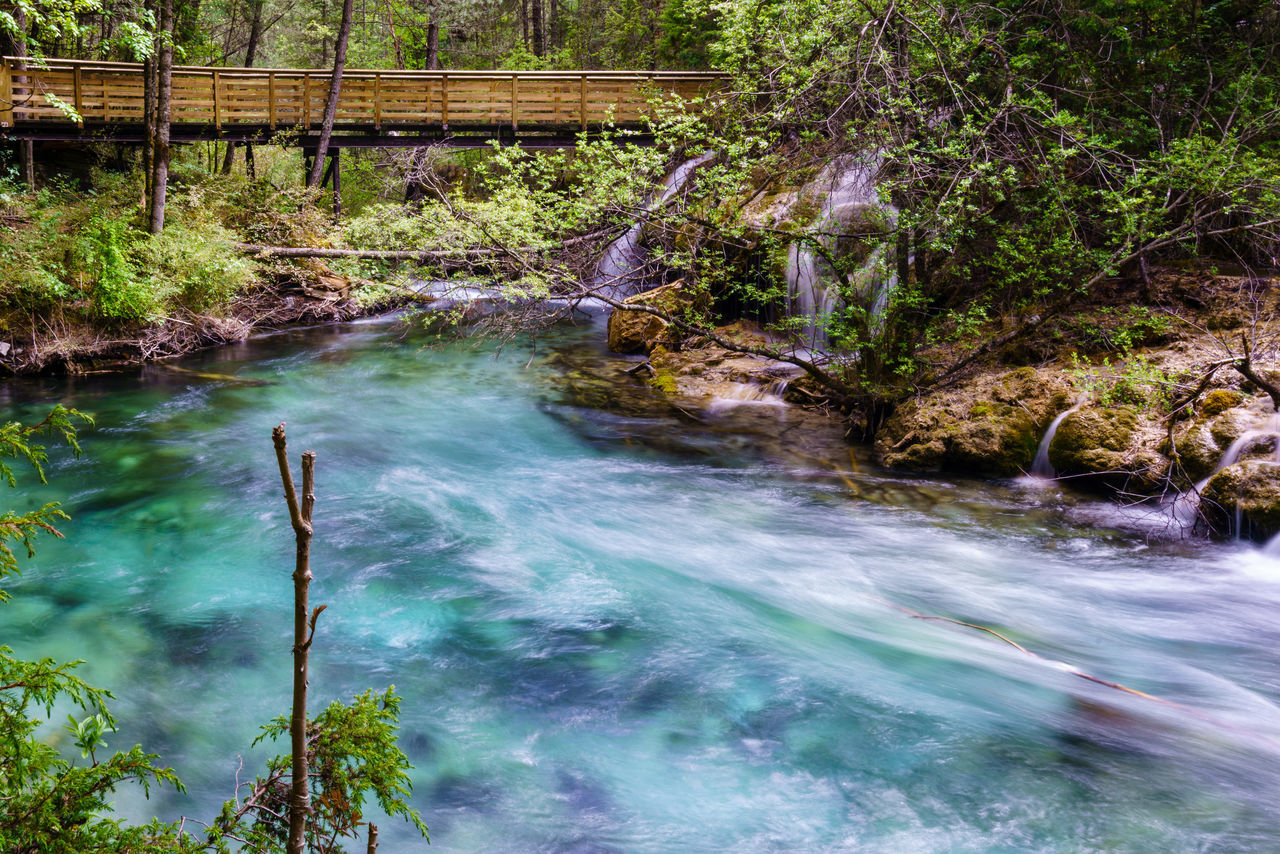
pixel 622 630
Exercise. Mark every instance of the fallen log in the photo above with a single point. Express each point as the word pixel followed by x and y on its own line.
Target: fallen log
pixel 419 255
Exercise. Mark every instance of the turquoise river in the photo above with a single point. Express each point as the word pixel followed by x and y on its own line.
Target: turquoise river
pixel 619 627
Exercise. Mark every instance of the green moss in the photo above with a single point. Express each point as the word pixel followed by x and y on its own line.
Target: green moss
pixel 978 410
pixel 664 381
pixel 1218 401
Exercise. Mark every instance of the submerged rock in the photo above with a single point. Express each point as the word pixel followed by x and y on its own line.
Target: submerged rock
pixel 990 426
pixel 1244 499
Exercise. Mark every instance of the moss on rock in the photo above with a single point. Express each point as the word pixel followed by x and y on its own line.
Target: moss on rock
pixel 991 426
pixel 1104 448
pixel 1248 491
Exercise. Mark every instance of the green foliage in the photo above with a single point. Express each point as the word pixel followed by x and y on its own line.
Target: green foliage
pixel 70 252
pixel 197 268
pixel 1133 381
pixel 15 443
pixel 352 756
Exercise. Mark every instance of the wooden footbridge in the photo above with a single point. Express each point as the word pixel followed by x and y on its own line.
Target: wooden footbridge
pixel 70 100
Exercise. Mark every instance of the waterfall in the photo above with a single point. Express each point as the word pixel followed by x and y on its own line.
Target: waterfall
pixel 620 270
pixel 1185 507
pixel 846 192
pixel 751 394
pixel 1041 467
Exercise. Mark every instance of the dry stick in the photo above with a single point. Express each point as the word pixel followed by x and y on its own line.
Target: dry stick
pixel 300 517
pixel 373 839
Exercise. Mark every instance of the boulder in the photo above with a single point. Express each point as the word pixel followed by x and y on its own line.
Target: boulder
pixel 641 332
pixel 1246 495
pixel 990 426
pixel 1108 448
pixel 1220 420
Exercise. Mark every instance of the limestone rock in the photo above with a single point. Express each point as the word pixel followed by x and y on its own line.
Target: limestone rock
pixel 1248 491
pixel 1201 443
pixel 1106 447
pixel 641 332
pixel 989 426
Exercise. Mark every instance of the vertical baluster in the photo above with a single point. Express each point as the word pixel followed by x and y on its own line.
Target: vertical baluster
pixel 515 103
pixel 444 102
pixel 217 107
pixel 6 94
pixel 79 100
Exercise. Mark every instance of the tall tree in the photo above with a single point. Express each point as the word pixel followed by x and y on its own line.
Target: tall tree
pixel 26 148
pixel 250 54
pixel 537 28
pixel 164 101
pixel 335 90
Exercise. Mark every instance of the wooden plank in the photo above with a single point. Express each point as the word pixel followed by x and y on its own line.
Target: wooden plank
pixel 271 99
pixel 306 101
pixel 444 102
pixel 217 111
pixel 377 102
pixel 7 98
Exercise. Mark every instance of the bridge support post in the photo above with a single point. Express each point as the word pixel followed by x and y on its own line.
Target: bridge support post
pixel 335 163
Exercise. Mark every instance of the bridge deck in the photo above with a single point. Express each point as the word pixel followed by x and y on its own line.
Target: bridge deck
pixel 108 96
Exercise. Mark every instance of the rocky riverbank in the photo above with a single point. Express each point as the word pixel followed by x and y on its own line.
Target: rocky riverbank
pixel 1169 405
pixel 289 294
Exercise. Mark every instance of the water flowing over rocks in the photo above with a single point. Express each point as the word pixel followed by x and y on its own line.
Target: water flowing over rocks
pixel 1108 449
pixel 990 426
pixel 1244 499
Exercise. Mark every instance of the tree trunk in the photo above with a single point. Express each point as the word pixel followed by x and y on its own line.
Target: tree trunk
pixel 164 100
pixel 300 517
pixel 537 28
pixel 397 45
pixel 26 148
pixel 250 53
pixel 433 37
pixel 335 89
pixel 524 21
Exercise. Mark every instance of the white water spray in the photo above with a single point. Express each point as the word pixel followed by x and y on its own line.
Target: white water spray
pixel 847 192
pixel 1041 466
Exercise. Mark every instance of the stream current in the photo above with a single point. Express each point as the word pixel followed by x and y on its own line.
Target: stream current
pixel 621 630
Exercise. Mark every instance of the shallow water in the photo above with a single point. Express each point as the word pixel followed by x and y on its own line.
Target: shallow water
pixel 624 630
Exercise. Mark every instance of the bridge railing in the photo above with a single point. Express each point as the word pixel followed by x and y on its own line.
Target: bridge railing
pixel 107 93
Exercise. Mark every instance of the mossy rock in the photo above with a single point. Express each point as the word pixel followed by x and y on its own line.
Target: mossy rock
pixel 1201 444
pixel 639 331
pixel 990 427
pixel 1098 448
pixel 1218 401
pixel 1248 491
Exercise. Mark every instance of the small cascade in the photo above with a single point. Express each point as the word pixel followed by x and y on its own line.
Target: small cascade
pixel 1185 508
pixel 848 204
pixel 751 394
pixel 1041 467
pixel 620 272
